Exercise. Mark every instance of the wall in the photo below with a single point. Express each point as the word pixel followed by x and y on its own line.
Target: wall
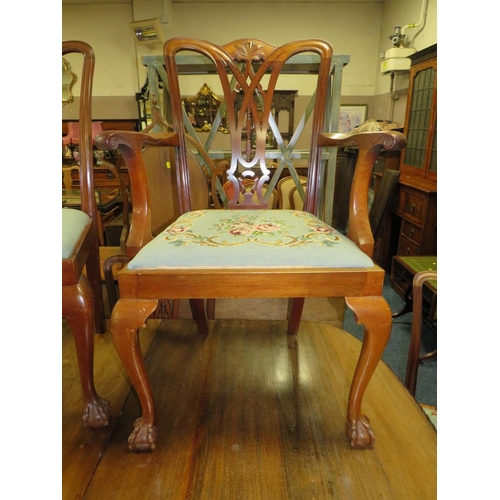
pixel 360 30
pixel 400 13
pixel 106 29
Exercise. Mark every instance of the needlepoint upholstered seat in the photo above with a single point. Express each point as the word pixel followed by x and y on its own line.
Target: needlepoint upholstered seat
pixel 248 250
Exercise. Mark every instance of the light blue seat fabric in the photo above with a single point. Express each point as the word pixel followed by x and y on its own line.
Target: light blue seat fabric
pixel 73 224
pixel 249 238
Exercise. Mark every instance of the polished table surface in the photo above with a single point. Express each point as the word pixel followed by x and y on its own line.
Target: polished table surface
pixel 404 269
pixel 247 412
pixel 419 263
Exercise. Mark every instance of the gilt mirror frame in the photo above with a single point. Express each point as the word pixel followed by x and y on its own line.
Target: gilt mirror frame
pixel 67 86
pixel 202 110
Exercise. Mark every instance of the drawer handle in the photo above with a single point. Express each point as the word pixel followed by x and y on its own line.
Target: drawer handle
pixel 407 251
pixel 412 208
pixel 412 230
pixel 110 176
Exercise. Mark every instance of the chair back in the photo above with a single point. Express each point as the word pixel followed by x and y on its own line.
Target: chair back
pixel 247 187
pixel 160 171
pixel 294 199
pixel 248 72
pixel 86 164
pixel 84 128
pixel 382 200
pixel 285 187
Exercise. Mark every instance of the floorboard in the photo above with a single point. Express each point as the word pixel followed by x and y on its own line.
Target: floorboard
pixel 83 447
pixel 251 413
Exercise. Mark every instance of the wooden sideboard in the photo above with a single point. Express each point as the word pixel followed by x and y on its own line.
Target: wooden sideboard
pixel 103 177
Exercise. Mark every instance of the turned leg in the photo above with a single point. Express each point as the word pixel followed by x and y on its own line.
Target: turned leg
pixel 175 308
pixel 128 315
pixel 295 316
pixel 374 313
pixel 78 309
pixel 198 311
pixel 211 308
pixel 408 305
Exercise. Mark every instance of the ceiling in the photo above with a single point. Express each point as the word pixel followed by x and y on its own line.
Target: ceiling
pixel 98 2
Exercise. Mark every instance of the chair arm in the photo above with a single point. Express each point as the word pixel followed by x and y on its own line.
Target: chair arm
pixel 130 145
pixel 114 139
pixel 125 202
pixel 369 145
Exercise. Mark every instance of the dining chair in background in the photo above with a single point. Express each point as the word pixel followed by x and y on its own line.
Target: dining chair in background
pixel 82 297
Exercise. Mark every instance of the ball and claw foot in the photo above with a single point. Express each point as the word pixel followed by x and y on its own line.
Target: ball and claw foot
pixel 360 433
pixel 96 413
pixel 143 437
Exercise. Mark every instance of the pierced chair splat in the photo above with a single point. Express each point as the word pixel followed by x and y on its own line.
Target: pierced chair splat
pixel 241 252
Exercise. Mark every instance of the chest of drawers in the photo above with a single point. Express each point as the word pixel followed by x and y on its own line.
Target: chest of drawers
pixel 417 207
pixel 410 227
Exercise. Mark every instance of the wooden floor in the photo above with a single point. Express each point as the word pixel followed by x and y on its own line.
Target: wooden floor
pixel 245 413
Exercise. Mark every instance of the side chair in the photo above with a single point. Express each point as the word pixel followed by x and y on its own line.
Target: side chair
pixel 286 188
pixel 82 298
pixel 414 357
pixel 249 253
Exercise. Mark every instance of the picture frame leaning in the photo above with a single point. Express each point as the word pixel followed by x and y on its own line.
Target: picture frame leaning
pixel 352 116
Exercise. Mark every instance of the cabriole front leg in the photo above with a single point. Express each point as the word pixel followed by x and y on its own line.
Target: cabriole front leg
pixel 375 314
pixel 127 317
pixel 78 309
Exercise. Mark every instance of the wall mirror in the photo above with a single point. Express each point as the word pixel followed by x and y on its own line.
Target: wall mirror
pixel 202 110
pixel 68 81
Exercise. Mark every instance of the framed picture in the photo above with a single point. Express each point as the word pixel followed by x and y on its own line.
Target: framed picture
pixel 352 116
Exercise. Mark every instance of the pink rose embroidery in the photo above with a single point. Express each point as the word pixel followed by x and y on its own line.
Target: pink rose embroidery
pixel 267 228
pixel 239 231
pixel 323 229
pixel 176 230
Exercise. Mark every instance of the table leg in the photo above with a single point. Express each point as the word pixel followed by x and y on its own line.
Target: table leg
pixel 408 306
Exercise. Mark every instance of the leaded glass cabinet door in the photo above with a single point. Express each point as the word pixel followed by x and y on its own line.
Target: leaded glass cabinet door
pixel 420 155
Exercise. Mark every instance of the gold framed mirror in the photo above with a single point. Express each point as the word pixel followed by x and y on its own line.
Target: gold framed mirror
pixel 68 81
pixel 202 110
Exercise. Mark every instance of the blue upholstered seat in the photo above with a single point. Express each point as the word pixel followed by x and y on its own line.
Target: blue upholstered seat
pixel 74 223
pixel 249 238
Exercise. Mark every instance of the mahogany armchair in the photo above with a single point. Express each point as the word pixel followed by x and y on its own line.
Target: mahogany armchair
pixel 241 252
pixel 82 298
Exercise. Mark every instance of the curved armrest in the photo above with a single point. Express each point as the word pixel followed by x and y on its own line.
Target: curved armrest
pixel 369 145
pixel 125 197
pixel 130 145
pixel 117 139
